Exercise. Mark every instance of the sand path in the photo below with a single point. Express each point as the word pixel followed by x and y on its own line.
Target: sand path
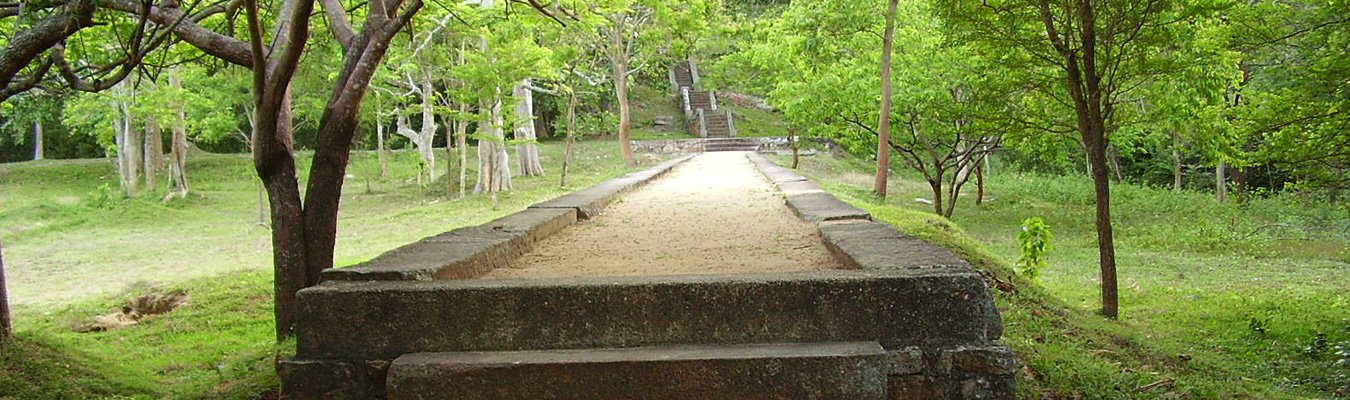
pixel 712 214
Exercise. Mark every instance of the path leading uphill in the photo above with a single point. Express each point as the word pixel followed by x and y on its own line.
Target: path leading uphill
pixel 712 214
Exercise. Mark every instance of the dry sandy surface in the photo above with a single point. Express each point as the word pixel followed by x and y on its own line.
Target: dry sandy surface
pixel 713 214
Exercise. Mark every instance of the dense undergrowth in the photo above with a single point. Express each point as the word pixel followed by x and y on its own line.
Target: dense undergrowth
pixel 1241 300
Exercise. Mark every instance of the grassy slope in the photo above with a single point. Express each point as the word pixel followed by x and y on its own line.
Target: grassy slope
pixel 221 344
pixel 1193 277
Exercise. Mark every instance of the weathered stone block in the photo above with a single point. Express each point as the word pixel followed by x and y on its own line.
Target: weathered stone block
pixel 877 245
pixel 821 206
pixel 898 308
pixel 796 187
pixel 332 379
pixel 773 371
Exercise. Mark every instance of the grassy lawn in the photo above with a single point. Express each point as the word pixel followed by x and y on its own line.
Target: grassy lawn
pixel 1237 300
pixel 74 250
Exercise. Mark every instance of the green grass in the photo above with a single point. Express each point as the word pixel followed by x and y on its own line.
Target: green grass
pixel 73 251
pixel 1217 301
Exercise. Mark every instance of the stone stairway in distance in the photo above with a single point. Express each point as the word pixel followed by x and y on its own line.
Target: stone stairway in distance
pixel 716 122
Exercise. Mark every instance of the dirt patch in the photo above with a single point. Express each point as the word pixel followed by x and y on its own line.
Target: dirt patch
pixel 713 214
pixel 135 310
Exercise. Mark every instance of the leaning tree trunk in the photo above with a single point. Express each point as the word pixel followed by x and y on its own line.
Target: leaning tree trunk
pixel 37 140
pixel 527 151
pixel 6 328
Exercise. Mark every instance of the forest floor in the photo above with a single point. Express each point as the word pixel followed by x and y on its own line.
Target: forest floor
pixel 712 214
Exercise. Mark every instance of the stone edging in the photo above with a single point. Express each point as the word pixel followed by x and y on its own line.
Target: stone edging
pixel 976 370
pixel 471 251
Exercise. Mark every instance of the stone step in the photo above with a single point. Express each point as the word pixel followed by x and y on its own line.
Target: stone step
pixel 848 370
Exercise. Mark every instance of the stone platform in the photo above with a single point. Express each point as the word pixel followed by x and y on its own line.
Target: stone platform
pixel 908 320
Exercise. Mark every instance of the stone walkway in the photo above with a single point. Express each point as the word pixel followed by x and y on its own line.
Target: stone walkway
pixel 712 214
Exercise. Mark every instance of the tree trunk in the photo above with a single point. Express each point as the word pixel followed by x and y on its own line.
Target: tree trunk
pixel 1084 87
pixel 462 128
pixel 461 141
pixel 936 185
pixel 37 140
pixel 379 147
pixel 1176 161
pixel 1221 182
pixel 6 327
pixel 494 170
pixel 527 152
pixel 618 58
pixel 571 132
pixel 132 152
pixel 178 185
pixel 884 121
pixel 154 151
pixel 979 184
pixel 1113 156
pixel 796 147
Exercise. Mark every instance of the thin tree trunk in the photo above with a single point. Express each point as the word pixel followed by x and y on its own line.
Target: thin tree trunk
pixel 527 152
pixel 979 184
pixel 884 121
pixel 133 145
pixel 379 147
pixel 1113 156
pixel 1221 182
pixel 462 128
pixel 1084 87
pixel 571 132
pixel 619 63
pixel 796 147
pixel 6 327
pixel 1176 161
pixel 37 140
pixel 462 141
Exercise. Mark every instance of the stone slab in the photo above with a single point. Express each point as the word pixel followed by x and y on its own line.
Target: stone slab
pixel 821 206
pixel 877 245
pixel 796 187
pixel 763 371
pixel 591 201
pixel 870 245
pixel 773 172
pixel 897 308
pixel 461 253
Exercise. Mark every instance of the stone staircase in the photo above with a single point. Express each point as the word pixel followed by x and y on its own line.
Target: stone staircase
pixel 702 116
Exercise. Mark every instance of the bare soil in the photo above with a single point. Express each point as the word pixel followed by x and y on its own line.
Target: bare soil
pixel 712 214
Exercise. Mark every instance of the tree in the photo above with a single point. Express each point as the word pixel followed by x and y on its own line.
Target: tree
pixel 640 29
pixel 6 328
pixel 1087 55
pixel 884 120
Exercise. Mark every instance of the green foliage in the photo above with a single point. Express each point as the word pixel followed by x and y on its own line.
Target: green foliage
pixel 1034 240
pixel 1200 278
